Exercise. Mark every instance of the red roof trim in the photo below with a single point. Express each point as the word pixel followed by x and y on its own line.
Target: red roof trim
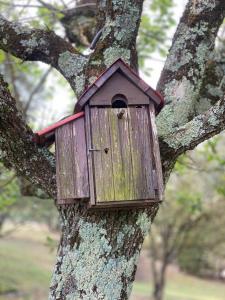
pixel 59 123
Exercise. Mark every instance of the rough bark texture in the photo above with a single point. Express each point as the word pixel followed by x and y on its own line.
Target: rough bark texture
pixel 17 148
pixel 45 46
pixel 98 252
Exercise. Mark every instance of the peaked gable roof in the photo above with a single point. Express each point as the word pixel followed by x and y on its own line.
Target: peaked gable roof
pixel 121 66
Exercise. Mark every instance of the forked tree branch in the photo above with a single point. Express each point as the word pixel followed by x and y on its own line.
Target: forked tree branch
pixel 182 76
pixel 17 148
pixel 45 46
pixel 199 129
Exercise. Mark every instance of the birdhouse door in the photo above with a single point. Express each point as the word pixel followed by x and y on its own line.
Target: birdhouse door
pixel 121 154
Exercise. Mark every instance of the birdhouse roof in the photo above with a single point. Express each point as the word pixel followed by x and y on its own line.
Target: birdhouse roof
pixel 117 66
pixel 122 67
pixel 51 128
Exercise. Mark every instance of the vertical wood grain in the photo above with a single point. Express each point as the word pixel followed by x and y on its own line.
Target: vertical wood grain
pixel 106 155
pixel 65 162
pixel 156 152
pixel 81 184
pixel 126 171
pixel 141 152
pixel 121 155
pixel 102 155
pixel 88 131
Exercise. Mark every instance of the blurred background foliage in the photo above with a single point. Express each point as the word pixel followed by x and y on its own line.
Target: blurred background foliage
pixel 187 238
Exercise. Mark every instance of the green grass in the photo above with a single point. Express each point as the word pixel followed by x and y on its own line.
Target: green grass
pixel 25 269
pixel 185 287
pixel 26 265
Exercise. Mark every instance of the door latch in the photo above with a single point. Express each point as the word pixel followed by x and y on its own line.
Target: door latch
pixel 91 149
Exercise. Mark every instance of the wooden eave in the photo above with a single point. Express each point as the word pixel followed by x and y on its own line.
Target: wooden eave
pixel 120 66
pixel 48 133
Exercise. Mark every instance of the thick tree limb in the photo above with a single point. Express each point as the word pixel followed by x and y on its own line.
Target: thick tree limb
pixel 119 22
pixel 17 148
pixel 201 128
pixel 45 46
pixel 182 76
pixel 213 85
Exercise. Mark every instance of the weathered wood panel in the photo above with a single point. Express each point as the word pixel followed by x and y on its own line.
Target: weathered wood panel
pixel 102 155
pixel 71 162
pixel 141 152
pixel 122 156
pixel 89 155
pixel 64 163
pixel 81 184
pixel 156 153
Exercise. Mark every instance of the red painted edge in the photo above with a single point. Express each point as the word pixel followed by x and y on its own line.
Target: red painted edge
pixel 59 123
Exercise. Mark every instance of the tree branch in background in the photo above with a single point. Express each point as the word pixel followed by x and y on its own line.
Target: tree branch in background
pixel 201 128
pixel 213 86
pixel 182 76
pixel 13 79
pixel 80 23
pixel 36 89
pixel 17 148
pixel 45 46
pixel 49 6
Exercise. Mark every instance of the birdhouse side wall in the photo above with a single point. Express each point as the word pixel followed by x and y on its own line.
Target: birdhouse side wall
pixel 71 162
pixel 159 186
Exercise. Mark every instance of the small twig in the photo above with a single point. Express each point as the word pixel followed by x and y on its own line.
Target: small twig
pixel 13 76
pixel 20 5
pixel 37 88
pixel 8 181
pixel 222 82
pixel 49 6
pixel 23 9
pixel 63 3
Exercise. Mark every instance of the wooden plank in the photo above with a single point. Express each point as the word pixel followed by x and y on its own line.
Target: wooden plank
pixel 81 184
pixel 156 152
pixel 89 155
pixel 106 156
pixel 96 155
pixel 141 153
pixel 142 203
pixel 64 169
pixel 121 155
pixel 102 158
pixel 106 75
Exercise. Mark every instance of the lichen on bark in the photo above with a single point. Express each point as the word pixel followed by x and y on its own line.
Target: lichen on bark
pixel 106 269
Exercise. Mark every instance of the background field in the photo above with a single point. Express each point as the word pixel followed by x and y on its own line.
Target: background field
pixel 26 263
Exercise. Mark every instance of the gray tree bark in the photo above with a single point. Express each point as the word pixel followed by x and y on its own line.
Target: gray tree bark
pixel 98 252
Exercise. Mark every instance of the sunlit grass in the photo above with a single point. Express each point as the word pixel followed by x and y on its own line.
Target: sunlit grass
pixel 185 287
pixel 25 266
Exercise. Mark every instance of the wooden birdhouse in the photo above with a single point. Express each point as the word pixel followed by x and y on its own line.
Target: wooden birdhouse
pixel 107 153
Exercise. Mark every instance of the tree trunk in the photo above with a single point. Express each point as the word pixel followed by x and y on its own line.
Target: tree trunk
pixel 98 253
pixel 158 291
pixel 159 283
